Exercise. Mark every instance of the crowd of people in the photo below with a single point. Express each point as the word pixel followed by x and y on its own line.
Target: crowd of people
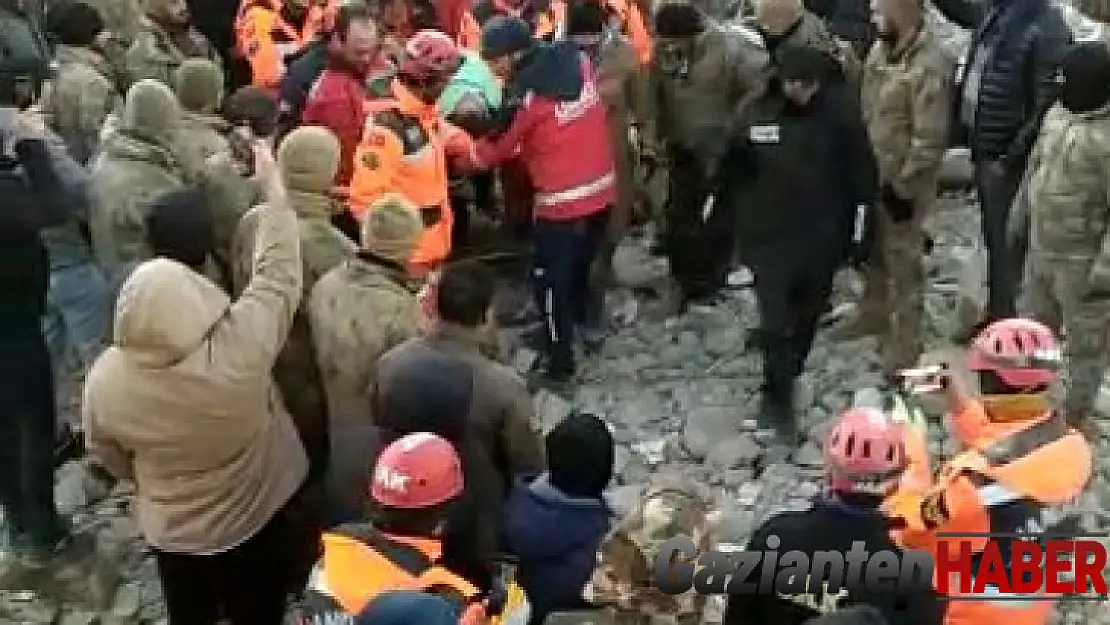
pixel 249 226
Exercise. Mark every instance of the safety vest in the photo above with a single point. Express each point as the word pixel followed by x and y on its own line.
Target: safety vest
pixel 360 563
pixel 1004 488
pixel 547 22
pixel 265 39
pixel 401 152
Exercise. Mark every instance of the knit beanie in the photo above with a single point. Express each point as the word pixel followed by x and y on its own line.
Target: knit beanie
pixel 585 17
pixel 580 455
pixel 180 226
pixel 777 16
pixel 309 159
pixel 252 106
pixel 150 112
pixel 1086 68
pixel 408 607
pixel 199 84
pixel 504 35
pixel 391 228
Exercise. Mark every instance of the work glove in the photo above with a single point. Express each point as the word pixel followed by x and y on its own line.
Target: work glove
pixel 899 209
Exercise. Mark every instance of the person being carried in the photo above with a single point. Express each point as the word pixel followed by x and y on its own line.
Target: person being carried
pixel 865 456
pixel 1020 459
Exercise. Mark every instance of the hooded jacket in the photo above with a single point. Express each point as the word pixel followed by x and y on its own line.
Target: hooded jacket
pixel 156 53
pixel 136 164
pixel 308 158
pixel 198 84
pixel 81 98
pixel 555 537
pixel 183 404
pixel 358 311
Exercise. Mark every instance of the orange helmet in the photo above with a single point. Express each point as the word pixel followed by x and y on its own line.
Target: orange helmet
pixel 1023 353
pixel 430 54
pixel 417 471
pixel 865 445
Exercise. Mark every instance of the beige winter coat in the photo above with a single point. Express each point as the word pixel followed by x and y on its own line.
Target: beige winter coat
pixel 183 402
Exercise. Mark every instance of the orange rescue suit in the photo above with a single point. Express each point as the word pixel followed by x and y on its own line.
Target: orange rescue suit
pixel 264 38
pixel 547 24
pixel 361 562
pixel 633 27
pixel 1010 472
pixel 404 149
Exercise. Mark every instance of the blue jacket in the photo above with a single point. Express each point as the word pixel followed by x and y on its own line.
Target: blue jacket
pixel 555 538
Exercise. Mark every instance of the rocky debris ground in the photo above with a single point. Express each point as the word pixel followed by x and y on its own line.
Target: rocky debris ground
pixel 680 394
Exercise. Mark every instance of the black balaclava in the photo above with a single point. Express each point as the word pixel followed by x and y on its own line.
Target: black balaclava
pixel 580 455
pixel 181 227
pixel 1086 68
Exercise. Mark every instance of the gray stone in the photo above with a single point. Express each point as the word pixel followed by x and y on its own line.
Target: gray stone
pixel 622 499
pixel 739 451
pixel 551 409
pixel 128 600
pixel 707 426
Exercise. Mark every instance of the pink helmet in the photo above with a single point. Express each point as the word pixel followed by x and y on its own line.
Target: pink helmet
pixel 1023 353
pixel 864 444
pixel 430 54
pixel 417 471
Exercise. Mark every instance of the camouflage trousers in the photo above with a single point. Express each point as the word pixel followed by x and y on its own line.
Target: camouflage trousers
pixel 893 298
pixel 1054 294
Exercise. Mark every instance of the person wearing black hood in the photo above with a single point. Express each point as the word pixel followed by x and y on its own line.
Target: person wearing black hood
pixel 42 187
pixel 1065 203
pixel 810 182
pixel 554 522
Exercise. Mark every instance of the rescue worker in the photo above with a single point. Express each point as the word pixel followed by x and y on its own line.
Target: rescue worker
pixel 559 131
pixel 865 456
pixel 360 309
pixel 807 185
pixel 1020 459
pixel 1068 271
pixel 622 581
pixel 83 92
pixel 441 381
pixel 406 146
pixel 308 158
pixel 415 481
pixel 136 162
pixel 337 98
pixel 709 81
pixel 906 108
pixel 624 88
pixel 165 39
pixel 788 23
pixel 267 32
pixel 545 18
pixel 1003 89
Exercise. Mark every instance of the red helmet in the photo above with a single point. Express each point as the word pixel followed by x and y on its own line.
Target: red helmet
pixel 417 471
pixel 1023 353
pixel 865 443
pixel 430 54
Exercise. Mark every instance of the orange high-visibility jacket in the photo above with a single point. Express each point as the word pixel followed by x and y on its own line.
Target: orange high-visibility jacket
pixel 634 27
pixel 546 23
pixel 1001 484
pixel 360 563
pixel 265 39
pixel 404 149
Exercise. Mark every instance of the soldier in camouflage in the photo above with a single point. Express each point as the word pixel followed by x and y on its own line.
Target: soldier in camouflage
pixel 1067 197
pixel 785 23
pixel 906 85
pixel 359 310
pixel 164 40
pixel 309 158
pixel 622 581
pixel 706 80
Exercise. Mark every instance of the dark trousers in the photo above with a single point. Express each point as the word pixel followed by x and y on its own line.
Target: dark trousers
pixel 996 188
pixel 564 255
pixel 247 585
pixel 27 427
pixel 699 251
pixel 792 286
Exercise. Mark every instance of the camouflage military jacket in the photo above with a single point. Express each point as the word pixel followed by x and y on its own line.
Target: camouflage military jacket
pixel 156 54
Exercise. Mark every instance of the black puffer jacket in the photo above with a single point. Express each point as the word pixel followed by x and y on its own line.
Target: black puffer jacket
pixel 1026 41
